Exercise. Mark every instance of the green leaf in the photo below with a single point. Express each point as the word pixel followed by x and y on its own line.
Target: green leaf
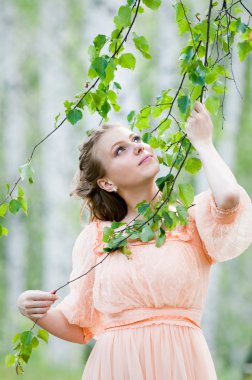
pixel 212 103
pixel 238 10
pixel 152 4
pixel 186 193
pixel 193 165
pixel 14 206
pixel 117 85
pixel 19 369
pixel 92 52
pixel 3 209
pixel 112 96
pixel 141 44
pixel 127 61
pixel 182 214
pixel 131 2
pixel 160 238
pixel 131 116
pixel 218 87
pixel 26 353
pixel 35 342
pixel 56 120
pixel 26 337
pixel 116 46
pixel 181 19
pixel 183 26
pixel 43 334
pixel 143 208
pixel 110 72
pixel 240 26
pixel 15 338
pixel 9 360
pixel 98 97
pixel 26 172
pixel 23 204
pixel 99 41
pixel 123 18
pixel 220 70
pixel 184 104
pixel 116 107
pixel 146 137
pixel 211 76
pixel 105 110
pixel 107 233
pixel 3 231
pixel 74 116
pixel 68 105
pixel 161 181
pixel 115 225
pixel 146 234
pixel 164 125
pixel 198 73
pixel 99 65
pixel 186 54
pixel 125 250
pixel 167 220
pixel 20 192
pixel 146 111
pixel 154 142
pixel 243 49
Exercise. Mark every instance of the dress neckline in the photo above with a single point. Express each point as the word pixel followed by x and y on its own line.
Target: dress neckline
pixel 183 233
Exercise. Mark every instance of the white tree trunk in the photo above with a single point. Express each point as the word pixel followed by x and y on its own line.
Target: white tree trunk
pixel 57 163
pixel 13 145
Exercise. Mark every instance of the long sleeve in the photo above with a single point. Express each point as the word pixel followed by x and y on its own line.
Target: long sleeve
pixel 225 234
pixel 78 306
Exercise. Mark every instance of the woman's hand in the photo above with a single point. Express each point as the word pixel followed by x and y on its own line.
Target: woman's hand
pixel 35 303
pixel 199 126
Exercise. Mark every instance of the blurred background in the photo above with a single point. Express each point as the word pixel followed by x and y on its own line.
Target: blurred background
pixel 44 61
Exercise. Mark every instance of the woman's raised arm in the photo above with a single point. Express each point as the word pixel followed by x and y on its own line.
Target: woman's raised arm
pixel 221 180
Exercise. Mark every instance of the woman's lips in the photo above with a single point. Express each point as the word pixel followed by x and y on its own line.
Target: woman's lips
pixel 146 158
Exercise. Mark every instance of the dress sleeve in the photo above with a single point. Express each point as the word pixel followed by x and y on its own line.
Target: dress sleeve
pixel 78 306
pixel 225 234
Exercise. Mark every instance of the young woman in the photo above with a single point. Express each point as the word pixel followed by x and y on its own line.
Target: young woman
pixel 145 312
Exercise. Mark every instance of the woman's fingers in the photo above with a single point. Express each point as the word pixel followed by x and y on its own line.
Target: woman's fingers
pixel 38 310
pixel 35 303
pixel 198 106
pixel 37 316
pixel 30 304
pixel 193 113
pixel 41 296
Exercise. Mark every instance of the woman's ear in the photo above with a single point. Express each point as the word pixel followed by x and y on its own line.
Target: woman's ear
pixel 106 185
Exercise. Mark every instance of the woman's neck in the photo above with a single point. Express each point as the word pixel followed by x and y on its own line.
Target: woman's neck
pixel 149 194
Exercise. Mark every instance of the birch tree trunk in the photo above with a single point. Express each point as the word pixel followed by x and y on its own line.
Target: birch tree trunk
pixel 13 152
pixel 57 164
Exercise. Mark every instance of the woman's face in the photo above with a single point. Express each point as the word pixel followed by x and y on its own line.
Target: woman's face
pixel 121 152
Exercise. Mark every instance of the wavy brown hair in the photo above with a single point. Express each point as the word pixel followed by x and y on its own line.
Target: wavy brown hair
pixel 102 205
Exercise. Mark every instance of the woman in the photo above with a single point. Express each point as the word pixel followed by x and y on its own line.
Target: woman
pixel 145 312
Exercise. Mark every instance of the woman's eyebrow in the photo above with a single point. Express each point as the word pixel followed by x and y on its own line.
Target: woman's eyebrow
pixel 118 142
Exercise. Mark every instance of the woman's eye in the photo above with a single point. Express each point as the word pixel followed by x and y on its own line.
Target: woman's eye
pixel 121 148
pixel 118 149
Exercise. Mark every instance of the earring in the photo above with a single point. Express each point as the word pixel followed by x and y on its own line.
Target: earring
pixel 115 189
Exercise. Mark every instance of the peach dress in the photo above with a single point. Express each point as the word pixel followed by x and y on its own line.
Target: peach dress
pixel 145 312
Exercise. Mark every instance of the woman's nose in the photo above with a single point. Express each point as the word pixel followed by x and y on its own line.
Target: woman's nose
pixel 139 147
